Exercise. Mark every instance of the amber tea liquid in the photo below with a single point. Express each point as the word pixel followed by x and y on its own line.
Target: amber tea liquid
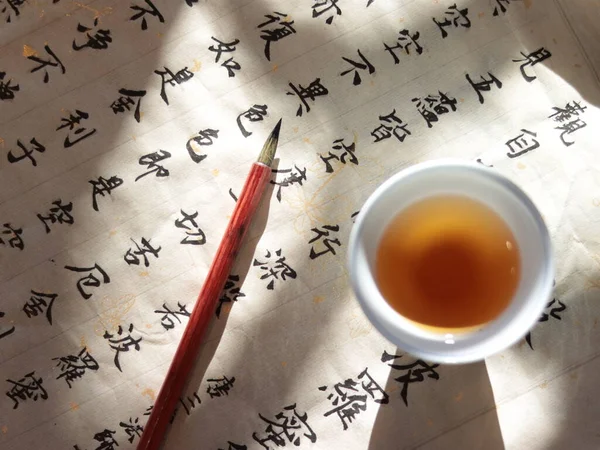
pixel 448 262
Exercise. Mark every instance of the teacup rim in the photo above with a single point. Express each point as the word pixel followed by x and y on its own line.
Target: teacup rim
pixel 511 331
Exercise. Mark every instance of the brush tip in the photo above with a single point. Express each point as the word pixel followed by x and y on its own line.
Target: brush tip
pixel 275 132
pixel 268 152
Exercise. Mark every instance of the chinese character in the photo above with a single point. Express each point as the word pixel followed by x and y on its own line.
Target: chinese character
pixel 220 386
pixel 35 147
pixel 205 137
pixel 198 236
pixel 390 125
pixel 275 269
pixel 255 114
pixel 141 13
pixel 570 128
pixel 98 41
pixel 174 79
pixel 275 34
pixel 150 160
pixel 371 387
pixel 15 240
pixel 501 4
pixel 132 428
pixel 73 367
pixel 231 66
pixel 414 374
pixel 7 332
pixel 454 16
pixel 132 256
pixel 288 426
pixel 324 233
pixel 347 153
pixel 564 114
pixel 348 401
pixel 433 106
pixel 226 47
pixel 59 213
pixel 325 6
pixel 167 320
pixel 354 215
pixel 357 65
pixel 522 144
pixel 404 42
pixel 125 101
pixel 311 92
pixel 553 309
pixel 484 85
pixel 106 439
pixel 103 186
pixel 532 59
pixel 194 235
pixel 53 61
pixel 191 404
pixel 7 90
pixel 122 344
pixel 14 6
pixel 80 133
pixel 27 388
pixel 231 292
pixel 90 280
pixel 39 303
pixel 290 180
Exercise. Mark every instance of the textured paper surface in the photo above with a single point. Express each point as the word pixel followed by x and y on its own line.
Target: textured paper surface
pixel 297 365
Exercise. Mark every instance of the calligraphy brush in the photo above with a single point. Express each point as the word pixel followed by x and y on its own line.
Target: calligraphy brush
pixel 187 351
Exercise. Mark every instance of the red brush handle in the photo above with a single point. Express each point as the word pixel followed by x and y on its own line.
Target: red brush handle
pixel 187 351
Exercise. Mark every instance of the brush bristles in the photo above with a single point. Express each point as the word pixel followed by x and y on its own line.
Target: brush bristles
pixel 268 152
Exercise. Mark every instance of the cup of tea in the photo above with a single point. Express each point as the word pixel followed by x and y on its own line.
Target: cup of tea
pixel 451 261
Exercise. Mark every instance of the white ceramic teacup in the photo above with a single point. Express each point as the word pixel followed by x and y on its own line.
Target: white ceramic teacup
pixel 502 196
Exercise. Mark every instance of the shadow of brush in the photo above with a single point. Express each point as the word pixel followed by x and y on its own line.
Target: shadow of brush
pixel 214 333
